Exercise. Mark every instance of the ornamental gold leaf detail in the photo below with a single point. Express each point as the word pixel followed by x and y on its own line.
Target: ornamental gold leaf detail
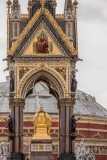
pixel 23 71
pixel 30 25
pixel 24 32
pixel 62 71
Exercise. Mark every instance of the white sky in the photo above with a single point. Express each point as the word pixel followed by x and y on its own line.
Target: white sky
pixel 92 32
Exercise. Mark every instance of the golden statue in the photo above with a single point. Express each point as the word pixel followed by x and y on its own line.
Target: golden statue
pixel 42 124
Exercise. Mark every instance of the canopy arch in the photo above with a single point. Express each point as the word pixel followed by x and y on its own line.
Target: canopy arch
pixel 52 78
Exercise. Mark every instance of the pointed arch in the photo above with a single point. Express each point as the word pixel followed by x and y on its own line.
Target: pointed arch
pixel 53 79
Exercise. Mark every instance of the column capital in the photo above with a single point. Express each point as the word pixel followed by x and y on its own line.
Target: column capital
pixel 67 102
pixel 16 102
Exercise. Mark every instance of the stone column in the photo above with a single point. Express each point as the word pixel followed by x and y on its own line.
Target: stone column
pixel 66 141
pixel 17 105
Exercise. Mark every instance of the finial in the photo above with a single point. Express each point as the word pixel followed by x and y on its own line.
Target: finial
pixel 8 24
pixel 9 2
pixel 41 109
pixel 43 3
pixel 75 2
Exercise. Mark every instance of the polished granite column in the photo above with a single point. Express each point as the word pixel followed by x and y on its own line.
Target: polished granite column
pixel 16 106
pixel 66 139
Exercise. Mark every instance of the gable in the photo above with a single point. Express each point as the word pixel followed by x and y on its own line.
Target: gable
pixel 29 35
pixel 42 42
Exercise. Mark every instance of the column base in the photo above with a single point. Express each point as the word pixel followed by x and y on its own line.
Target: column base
pixel 67 156
pixel 17 156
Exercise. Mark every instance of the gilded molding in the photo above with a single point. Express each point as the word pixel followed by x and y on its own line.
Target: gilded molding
pixel 61 33
pixel 30 24
pixel 51 71
pixel 59 16
pixel 16 102
pixel 24 16
pixel 42 27
pixel 25 31
pixel 67 102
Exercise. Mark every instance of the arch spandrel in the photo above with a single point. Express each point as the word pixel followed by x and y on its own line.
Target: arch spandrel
pixel 51 77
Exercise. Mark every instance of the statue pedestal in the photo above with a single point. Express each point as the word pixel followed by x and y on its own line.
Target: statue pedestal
pixel 41 133
pixel 41 150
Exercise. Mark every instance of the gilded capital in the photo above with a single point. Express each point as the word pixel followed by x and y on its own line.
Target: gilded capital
pixel 67 102
pixel 16 102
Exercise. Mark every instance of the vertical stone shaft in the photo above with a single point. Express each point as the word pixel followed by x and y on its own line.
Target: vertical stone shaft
pixel 62 129
pixel 12 147
pixel 66 112
pixel 16 105
pixel 67 129
pixel 17 128
pixel 21 128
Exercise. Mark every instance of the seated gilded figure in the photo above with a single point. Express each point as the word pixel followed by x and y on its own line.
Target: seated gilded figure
pixel 42 124
pixel 41 46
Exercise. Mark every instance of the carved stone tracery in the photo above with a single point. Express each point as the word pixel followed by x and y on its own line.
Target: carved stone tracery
pixel 49 73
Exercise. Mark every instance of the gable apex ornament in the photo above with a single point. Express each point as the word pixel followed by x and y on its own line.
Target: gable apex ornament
pixel 43 3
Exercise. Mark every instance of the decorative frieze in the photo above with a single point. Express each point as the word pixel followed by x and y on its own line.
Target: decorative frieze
pixel 41 147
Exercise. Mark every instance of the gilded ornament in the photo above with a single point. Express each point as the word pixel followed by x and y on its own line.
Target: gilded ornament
pixel 23 71
pixel 30 24
pixel 50 72
pixel 42 124
pixel 62 71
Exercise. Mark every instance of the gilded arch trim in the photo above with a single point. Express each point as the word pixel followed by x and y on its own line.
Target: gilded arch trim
pixel 29 79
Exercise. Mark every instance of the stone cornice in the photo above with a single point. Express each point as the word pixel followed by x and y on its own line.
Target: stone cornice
pixel 89 129
pixel 93 140
pixel 92 119
pixel 42 59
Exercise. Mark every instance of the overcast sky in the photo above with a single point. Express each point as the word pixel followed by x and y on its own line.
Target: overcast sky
pixel 92 33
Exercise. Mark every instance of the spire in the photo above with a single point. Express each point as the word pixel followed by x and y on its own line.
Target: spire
pixel 8 24
pixel 15 7
pixel 43 3
pixel 68 5
pixel 68 14
pixel 34 5
pixel 15 3
pixel 75 3
pixel 15 19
